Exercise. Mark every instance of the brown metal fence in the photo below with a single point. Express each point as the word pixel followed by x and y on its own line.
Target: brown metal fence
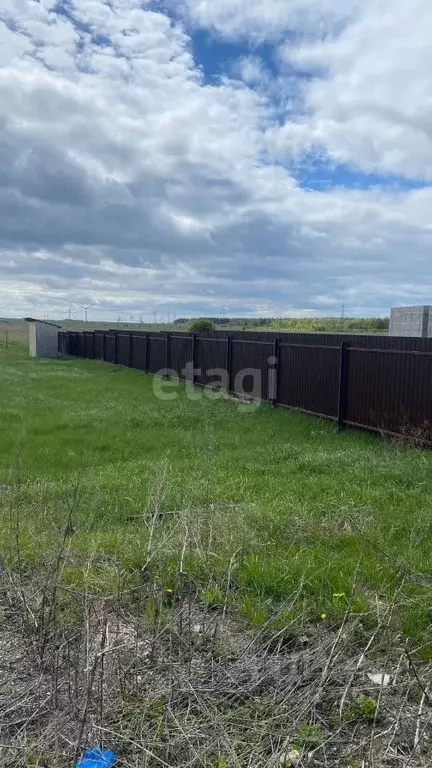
pixel 381 384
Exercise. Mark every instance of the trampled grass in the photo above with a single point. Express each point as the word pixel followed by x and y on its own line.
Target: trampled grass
pixel 271 514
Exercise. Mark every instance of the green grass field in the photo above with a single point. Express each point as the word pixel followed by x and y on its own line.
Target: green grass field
pixel 280 502
pixel 263 515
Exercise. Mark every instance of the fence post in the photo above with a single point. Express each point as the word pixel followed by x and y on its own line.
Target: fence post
pixel 275 371
pixel 130 350
pixel 146 351
pixel 194 341
pixel 425 322
pixel 115 348
pixel 228 362
pixel 168 351
pixel 343 358
pixel 93 346
pixel 103 346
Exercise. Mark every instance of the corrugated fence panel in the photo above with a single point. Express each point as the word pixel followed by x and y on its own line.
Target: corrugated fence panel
pixel 62 342
pixel 88 345
pixel 98 345
pixel 390 391
pixel 250 368
pixel 369 341
pixel 80 345
pixel 309 378
pixel 181 353
pixel 156 353
pixel 123 342
pixel 72 346
pixel 211 356
pixel 138 352
pixel 386 387
pixel 109 348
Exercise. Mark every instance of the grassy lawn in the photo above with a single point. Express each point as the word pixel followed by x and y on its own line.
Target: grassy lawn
pixel 198 582
pixel 271 514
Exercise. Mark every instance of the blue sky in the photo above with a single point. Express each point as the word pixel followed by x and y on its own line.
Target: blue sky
pixel 192 157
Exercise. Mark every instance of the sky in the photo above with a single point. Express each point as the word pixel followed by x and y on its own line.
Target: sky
pixel 215 157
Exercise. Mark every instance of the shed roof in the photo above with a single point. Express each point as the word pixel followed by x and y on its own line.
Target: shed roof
pixel 44 322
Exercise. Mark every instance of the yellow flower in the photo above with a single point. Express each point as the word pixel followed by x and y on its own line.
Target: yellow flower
pixel 339 594
pixel 169 590
pixel 323 616
pixel 290 760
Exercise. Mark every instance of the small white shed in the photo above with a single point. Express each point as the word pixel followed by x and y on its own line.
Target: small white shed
pixel 43 338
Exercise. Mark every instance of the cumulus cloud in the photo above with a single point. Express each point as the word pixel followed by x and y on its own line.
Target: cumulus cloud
pixel 126 178
pixel 271 19
pixel 370 101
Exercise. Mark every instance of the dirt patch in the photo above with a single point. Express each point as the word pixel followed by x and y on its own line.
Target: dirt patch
pixel 192 687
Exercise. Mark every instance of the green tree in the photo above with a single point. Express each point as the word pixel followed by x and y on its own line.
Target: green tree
pixel 201 326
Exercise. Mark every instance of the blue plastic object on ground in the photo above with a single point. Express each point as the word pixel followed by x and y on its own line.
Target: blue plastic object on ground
pixel 97 759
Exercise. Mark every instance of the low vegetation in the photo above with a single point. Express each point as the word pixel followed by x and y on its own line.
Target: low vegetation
pixel 302 324
pixel 332 324
pixel 200 581
pixel 368 325
pixel 201 326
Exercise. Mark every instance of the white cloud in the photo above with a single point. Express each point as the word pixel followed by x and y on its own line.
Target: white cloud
pixel 370 104
pixel 125 178
pixel 269 19
pixel 251 70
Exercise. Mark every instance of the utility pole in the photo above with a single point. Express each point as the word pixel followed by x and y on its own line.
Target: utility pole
pixel 343 310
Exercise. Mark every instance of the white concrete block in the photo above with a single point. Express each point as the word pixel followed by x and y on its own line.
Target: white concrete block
pixel 411 321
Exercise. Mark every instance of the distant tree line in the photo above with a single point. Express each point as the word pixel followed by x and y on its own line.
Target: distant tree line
pixel 306 324
pixel 333 324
